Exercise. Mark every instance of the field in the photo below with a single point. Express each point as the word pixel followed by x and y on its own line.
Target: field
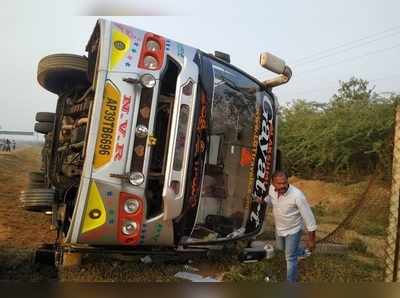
pixel 21 232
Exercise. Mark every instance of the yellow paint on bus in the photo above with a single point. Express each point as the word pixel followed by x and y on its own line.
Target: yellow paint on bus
pixel 120 45
pixel 95 214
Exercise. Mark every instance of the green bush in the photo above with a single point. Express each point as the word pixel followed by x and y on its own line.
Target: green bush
pixel 358 245
pixel 348 137
pixel 319 209
pixel 372 229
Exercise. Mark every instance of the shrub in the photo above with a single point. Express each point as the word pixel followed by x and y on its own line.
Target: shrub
pixel 358 245
pixel 350 136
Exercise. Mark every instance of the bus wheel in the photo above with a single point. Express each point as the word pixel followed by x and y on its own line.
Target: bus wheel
pixel 45 117
pixel 60 72
pixel 43 127
pixel 36 176
pixel 37 199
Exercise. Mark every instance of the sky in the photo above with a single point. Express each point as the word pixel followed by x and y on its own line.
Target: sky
pixel 322 41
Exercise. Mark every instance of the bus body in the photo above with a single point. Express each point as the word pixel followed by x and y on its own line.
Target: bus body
pixel 175 145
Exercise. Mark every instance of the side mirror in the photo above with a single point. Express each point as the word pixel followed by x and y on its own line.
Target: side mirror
pixel 272 63
pixel 276 65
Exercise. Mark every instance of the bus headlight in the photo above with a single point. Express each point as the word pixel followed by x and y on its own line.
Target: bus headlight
pixel 129 227
pixel 141 131
pixel 148 80
pixel 150 62
pixel 136 178
pixel 131 206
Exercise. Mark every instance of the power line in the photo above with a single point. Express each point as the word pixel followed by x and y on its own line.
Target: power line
pixel 332 83
pixel 345 50
pixel 350 59
pixel 395 28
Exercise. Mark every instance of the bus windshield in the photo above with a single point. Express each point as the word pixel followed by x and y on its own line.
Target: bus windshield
pixel 225 195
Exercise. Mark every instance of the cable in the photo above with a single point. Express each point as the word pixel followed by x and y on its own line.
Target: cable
pixel 395 28
pixel 344 50
pixel 332 83
pixel 350 58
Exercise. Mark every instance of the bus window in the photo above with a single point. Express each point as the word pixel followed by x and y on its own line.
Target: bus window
pixel 181 137
pixel 234 99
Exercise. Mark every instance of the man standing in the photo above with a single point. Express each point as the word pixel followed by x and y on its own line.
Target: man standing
pixel 291 211
pixel 8 145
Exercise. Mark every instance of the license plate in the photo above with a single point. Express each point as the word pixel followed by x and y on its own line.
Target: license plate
pixel 108 125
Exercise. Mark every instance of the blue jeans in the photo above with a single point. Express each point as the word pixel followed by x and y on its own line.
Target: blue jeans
pixel 292 248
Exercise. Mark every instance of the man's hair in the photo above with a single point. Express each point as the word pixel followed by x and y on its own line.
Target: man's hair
pixel 279 174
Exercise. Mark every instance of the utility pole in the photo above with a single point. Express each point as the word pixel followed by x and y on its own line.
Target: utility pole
pixel 392 252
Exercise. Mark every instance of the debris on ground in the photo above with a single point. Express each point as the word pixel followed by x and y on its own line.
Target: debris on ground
pixel 191 268
pixel 195 277
pixel 146 260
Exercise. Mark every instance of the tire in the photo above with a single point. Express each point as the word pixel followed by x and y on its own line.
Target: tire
pixel 44 127
pixel 36 176
pixel 59 72
pixel 40 193
pixel 45 117
pixel 36 185
pixel 37 200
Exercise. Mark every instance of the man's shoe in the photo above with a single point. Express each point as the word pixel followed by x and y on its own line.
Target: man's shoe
pixel 306 254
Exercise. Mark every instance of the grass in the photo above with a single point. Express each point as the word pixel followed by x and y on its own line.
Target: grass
pixel 317 268
pixel 17 265
pixel 371 228
pixel 358 245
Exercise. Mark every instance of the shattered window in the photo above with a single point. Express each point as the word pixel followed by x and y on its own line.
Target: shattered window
pixel 233 98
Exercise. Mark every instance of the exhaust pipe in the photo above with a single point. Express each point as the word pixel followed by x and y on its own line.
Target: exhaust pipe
pixel 278 66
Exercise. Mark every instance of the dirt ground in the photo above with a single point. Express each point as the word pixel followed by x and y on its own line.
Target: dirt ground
pixel 21 232
pixel 19 228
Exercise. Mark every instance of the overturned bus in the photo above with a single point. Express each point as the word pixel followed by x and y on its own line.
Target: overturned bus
pixel 153 145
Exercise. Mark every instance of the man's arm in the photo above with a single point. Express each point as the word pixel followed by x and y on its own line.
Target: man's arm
pixel 309 219
pixel 311 240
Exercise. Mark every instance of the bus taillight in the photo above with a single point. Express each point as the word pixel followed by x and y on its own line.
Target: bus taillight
pixel 130 216
pixel 152 55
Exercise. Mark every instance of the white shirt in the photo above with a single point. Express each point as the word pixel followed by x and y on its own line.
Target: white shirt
pixel 290 211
